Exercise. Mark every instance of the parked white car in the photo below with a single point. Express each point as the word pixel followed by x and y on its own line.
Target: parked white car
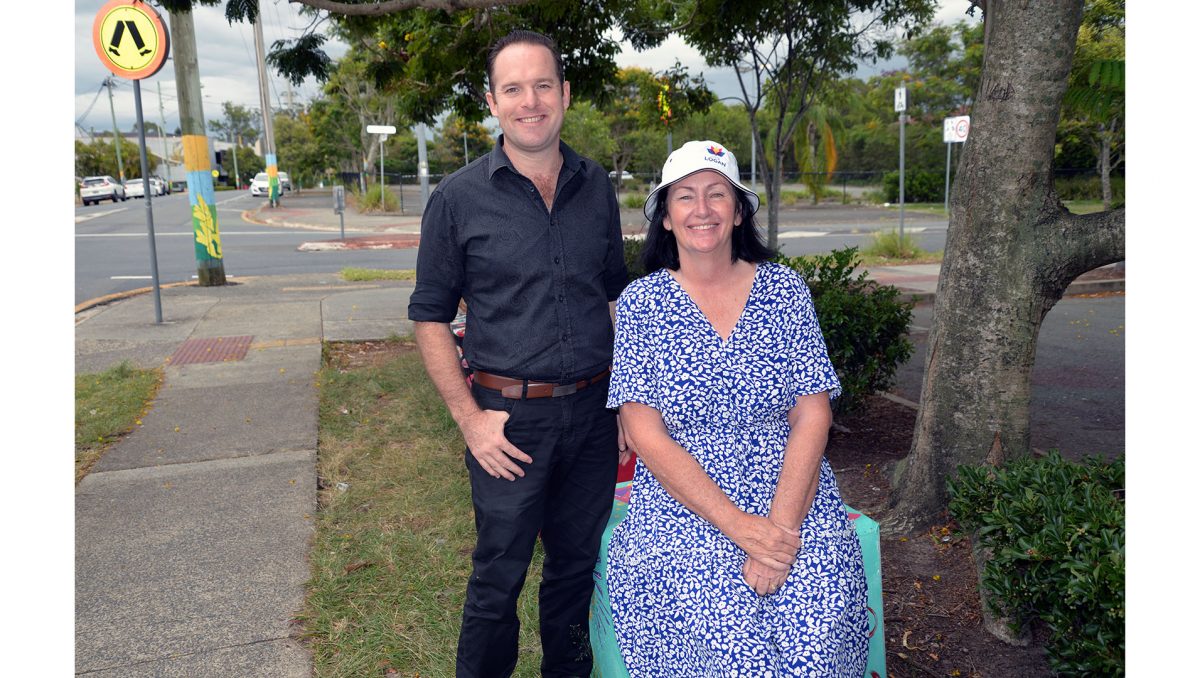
pixel 260 185
pixel 158 186
pixel 285 182
pixel 95 189
pixel 135 189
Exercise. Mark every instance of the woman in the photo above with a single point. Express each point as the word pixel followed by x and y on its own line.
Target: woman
pixel 736 557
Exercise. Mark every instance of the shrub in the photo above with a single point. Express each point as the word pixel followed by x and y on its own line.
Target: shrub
pixel 1057 535
pixel 1088 188
pixel 919 186
pixel 891 245
pixel 864 323
pixel 633 257
pixel 633 201
pixel 370 201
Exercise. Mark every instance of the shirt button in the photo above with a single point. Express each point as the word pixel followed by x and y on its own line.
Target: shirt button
pixel 564 338
pixel 556 260
pixel 561 298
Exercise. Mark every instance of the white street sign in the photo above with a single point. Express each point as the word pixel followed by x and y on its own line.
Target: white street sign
pixel 381 129
pixel 954 130
pixel 901 99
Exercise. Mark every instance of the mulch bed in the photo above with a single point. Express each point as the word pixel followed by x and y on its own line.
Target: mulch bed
pixel 931 606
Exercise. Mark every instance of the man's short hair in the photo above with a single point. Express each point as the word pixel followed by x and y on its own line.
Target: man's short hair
pixel 522 36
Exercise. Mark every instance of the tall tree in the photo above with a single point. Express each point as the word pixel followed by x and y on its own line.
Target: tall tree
pixel 1095 99
pixel 236 121
pixel 786 50
pixel 1011 251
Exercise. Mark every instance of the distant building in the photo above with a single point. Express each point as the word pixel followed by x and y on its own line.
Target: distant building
pixel 172 168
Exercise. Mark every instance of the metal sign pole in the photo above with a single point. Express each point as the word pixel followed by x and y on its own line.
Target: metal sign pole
pixel 137 98
pixel 949 145
pixel 901 107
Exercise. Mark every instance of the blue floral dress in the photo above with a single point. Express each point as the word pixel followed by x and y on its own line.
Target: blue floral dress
pixel 680 605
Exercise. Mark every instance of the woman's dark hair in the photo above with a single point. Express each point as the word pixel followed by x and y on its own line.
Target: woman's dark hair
pixel 661 250
pixel 527 37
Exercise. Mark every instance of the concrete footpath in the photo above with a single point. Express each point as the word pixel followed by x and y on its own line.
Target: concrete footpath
pixel 192 533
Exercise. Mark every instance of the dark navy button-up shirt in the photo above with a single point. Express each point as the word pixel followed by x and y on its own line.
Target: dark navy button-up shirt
pixel 537 283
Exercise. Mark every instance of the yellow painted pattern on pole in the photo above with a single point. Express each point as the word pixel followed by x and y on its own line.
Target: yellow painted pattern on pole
pixel 195 153
pixel 206 228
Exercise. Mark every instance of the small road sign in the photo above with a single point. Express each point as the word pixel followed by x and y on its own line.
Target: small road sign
pixel 955 130
pixel 901 99
pixel 381 129
pixel 130 38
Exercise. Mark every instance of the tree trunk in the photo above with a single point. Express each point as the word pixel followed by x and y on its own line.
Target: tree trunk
pixel 1011 251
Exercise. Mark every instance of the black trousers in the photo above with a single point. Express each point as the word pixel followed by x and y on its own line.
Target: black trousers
pixel 566 495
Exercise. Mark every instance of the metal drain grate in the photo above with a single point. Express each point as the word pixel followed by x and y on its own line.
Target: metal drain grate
pixel 211 350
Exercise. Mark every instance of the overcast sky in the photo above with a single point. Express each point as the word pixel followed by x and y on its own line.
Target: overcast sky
pixel 228 73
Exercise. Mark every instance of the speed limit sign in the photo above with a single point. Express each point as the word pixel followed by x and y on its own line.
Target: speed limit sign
pixel 954 130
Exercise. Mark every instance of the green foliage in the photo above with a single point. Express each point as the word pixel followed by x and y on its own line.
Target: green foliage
pixel 378 199
pixel 236 121
pixel 249 163
pixel 633 257
pixel 355 274
pixel 100 157
pixel 107 405
pixel 865 324
pixel 1087 188
pixel 1057 535
pixel 919 186
pixel 890 245
pixel 633 201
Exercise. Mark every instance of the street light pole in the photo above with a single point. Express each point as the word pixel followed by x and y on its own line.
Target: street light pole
pixel 116 133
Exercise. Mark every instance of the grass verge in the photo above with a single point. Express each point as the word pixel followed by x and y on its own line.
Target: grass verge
pixel 395 528
pixel 359 274
pixel 108 405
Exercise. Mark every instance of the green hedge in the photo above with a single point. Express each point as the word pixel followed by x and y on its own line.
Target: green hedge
pixel 865 324
pixel 919 186
pixel 1057 534
pixel 1088 188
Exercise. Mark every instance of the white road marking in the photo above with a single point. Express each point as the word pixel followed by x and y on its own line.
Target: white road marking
pixel 130 277
pixel 802 234
pixel 93 215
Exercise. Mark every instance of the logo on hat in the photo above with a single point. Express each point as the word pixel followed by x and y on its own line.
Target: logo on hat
pixel 716 150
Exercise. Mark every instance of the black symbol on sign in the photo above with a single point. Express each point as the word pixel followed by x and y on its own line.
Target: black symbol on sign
pixel 115 44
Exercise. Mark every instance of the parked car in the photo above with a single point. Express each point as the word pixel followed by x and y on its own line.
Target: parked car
pixel 624 175
pixel 260 185
pixel 178 186
pixel 158 185
pixel 135 189
pixel 285 182
pixel 95 189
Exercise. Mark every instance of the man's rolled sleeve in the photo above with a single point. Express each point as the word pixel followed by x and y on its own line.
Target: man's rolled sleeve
pixel 439 266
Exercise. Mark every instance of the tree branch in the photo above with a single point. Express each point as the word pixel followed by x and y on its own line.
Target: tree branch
pixel 1087 241
pixel 392 6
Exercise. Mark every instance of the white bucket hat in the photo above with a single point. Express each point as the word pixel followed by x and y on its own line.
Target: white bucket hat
pixel 696 156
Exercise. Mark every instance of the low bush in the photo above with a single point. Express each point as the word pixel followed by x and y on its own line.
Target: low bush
pixel 1057 535
pixel 891 245
pixel 865 324
pixel 1088 188
pixel 370 201
pixel 919 186
pixel 633 257
pixel 633 201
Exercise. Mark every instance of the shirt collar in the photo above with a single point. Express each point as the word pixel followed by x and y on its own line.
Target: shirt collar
pixel 572 161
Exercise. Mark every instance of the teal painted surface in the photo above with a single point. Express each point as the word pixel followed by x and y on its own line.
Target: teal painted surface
pixel 606 654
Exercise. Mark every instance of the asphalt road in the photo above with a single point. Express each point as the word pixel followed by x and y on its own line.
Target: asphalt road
pixel 1078 400
pixel 112 250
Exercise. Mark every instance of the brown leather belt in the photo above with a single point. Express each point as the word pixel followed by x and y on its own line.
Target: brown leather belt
pixel 518 388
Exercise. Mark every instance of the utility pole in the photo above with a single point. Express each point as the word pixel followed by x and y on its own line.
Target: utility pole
pixel 116 133
pixel 264 98
pixel 163 117
pixel 197 160
pixel 237 141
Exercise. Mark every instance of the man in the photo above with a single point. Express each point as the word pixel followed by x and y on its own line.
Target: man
pixel 529 235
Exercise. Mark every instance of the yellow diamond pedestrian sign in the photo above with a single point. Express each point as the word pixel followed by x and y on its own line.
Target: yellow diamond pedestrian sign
pixel 130 39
